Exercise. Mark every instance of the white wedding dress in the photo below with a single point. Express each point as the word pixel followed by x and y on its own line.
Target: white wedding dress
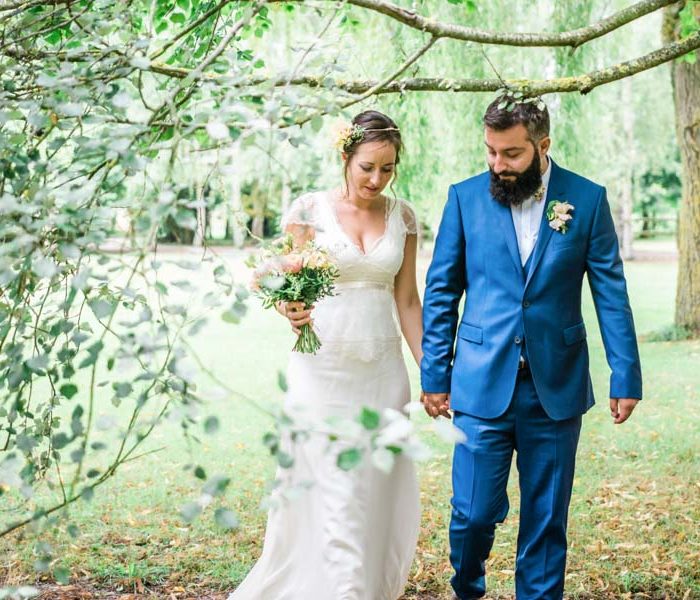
pixel 352 534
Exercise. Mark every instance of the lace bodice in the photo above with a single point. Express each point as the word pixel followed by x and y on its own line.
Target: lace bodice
pixel 360 321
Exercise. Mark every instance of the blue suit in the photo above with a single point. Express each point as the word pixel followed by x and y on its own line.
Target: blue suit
pixel 511 311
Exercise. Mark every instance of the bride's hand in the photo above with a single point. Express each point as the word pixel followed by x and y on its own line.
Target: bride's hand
pixel 296 312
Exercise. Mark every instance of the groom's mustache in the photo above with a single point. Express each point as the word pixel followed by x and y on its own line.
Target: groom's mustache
pixel 508 174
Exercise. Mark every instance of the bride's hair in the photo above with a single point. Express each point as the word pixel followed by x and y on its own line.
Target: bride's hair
pixel 376 127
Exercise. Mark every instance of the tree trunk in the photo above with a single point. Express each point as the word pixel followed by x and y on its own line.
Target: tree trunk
pixel 200 232
pixel 626 196
pixel 686 95
pixel 257 227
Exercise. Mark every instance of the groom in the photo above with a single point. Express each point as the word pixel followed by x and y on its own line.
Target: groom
pixel 518 239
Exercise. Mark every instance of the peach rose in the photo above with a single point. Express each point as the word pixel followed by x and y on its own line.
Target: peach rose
pixel 293 263
pixel 562 208
pixel 317 260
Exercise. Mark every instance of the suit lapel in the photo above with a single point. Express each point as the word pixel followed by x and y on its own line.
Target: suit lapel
pixel 505 219
pixel 555 190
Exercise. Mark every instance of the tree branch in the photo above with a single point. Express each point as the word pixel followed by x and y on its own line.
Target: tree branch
pixel 198 72
pixel 573 38
pixel 397 73
pixel 582 83
pixel 190 28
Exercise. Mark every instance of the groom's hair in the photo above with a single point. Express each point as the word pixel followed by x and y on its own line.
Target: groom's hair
pixel 536 121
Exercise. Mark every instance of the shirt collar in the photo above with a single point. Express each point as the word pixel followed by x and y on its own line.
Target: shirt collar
pixel 545 177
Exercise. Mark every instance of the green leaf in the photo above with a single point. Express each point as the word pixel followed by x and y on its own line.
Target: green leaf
pixel 190 511
pixel 77 455
pixel 122 388
pixel 316 123
pixel 62 575
pixel 60 441
pixel 44 268
pixel 285 460
pixel 102 308
pixel 200 473
pixel 349 459
pixel 369 418
pixel 38 363
pixel 211 425
pixel 93 353
pixel 69 390
pixel 53 37
pixel 216 485
pixel 271 441
pixel 226 518
pixel 282 381
pixel 230 317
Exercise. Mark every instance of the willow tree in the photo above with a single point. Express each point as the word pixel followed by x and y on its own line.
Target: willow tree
pixel 680 19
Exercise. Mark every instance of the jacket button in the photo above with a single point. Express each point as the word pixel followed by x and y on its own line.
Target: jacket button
pixel 517 340
pixel 526 303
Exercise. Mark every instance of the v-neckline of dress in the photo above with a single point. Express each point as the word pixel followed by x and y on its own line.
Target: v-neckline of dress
pixel 373 246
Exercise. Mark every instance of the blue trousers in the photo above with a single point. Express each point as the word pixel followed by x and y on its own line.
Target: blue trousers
pixel 546 454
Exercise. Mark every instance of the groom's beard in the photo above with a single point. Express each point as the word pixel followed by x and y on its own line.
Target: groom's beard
pixel 515 192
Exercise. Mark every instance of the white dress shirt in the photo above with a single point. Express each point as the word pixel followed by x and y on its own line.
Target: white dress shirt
pixel 527 218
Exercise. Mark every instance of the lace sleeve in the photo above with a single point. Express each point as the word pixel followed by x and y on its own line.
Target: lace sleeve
pixel 301 212
pixel 408 218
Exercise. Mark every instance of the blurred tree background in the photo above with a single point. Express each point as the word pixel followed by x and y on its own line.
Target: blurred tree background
pixel 127 128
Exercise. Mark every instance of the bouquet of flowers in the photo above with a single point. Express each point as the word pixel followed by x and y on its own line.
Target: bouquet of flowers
pixel 285 273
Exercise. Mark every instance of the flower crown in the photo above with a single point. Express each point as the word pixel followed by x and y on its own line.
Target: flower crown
pixel 347 134
pixel 509 98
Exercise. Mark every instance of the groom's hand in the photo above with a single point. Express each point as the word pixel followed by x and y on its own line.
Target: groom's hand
pixel 621 409
pixel 436 404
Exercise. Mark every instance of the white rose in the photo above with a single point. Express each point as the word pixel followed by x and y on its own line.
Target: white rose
pixel 556 224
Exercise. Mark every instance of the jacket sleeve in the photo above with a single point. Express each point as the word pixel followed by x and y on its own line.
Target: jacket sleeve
pixel 445 284
pixel 609 289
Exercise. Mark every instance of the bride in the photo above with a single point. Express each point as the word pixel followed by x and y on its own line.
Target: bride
pixel 352 535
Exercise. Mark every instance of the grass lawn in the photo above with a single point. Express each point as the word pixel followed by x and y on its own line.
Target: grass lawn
pixel 634 516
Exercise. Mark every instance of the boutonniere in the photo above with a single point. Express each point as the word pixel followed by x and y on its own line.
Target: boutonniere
pixel 558 215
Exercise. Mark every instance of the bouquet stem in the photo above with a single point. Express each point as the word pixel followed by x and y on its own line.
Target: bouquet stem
pixel 308 341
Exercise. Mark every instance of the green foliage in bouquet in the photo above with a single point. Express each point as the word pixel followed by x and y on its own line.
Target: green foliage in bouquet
pixel 287 273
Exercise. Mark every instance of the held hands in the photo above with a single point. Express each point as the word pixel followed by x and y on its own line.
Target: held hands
pixel 436 404
pixel 621 409
pixel 439 404
pixel 296 312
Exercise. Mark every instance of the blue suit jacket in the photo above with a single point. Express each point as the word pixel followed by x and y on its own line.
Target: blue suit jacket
pixel 476 251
